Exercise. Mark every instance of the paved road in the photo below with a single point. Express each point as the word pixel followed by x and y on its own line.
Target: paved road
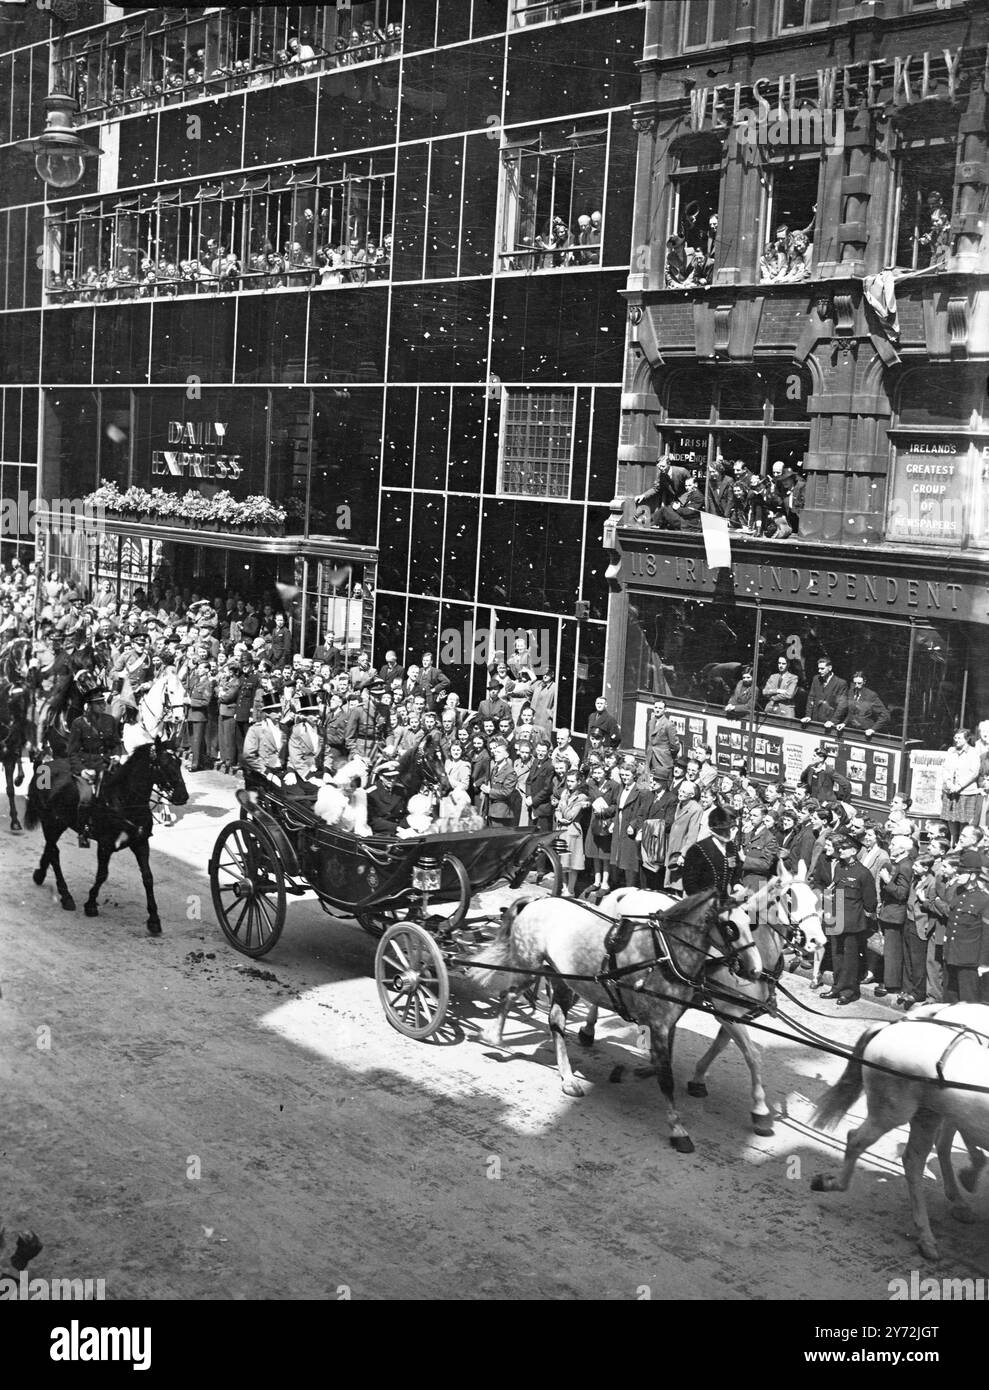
pixel 183 1122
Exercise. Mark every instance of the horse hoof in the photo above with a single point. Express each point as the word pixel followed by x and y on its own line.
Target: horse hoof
pixel 928 1248
pixel 489 1040
pixel 91 910
pixel 762 1125
pixel 38 877
pixel 15 828
pixel 154 929
pixel 68 904
pixel 969 1178
pixel 964 1214
pixel 697 1089
pixel 682 1143
pixel 821 1182
pixel 585 1039
pixel 572 1088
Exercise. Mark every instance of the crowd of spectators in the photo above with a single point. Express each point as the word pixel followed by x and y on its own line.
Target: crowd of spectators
pixel 191 76
pixel 788 257
pixel 251 701
pixel 690 253
pixel 561 244
pixel 767 505
pixel 309 260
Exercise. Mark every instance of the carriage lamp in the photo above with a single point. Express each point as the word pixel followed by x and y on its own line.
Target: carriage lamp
pixel 427 875
pixel 59 153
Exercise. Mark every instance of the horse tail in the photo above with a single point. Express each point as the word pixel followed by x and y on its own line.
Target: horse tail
pixel 32 809
pixel 845 1092
pixel 500 969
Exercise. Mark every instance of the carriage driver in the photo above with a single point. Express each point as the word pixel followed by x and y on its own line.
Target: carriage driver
pixel 94 746
pixel 715 862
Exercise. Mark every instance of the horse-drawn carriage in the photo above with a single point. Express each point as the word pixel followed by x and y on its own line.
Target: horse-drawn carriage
pixel 394 888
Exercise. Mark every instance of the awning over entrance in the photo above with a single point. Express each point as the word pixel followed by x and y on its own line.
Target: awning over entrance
pixel 324 585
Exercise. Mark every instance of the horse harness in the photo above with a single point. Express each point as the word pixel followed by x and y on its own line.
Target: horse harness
pixel 619 936
pixel 961 1032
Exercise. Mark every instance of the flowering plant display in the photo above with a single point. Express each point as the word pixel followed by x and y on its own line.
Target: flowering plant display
pixel 221 510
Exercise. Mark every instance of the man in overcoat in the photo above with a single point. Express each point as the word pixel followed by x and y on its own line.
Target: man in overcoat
pixel 855 913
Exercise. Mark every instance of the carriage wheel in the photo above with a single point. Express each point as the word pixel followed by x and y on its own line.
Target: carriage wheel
pixel 412 978
pixel 543 860
pixel 463 878
pixel 376 923
pixel 248 887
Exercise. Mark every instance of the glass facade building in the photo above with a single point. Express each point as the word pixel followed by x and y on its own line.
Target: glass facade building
pixel 316 262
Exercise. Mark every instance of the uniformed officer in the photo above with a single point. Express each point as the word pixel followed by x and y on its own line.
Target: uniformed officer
pixel 198 697
pixel 855 903
pixel 966 934
pixel 366 726
pixel 714 862
pixel 94 746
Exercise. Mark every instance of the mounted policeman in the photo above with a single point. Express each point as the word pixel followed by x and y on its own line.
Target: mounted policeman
pixel 94 746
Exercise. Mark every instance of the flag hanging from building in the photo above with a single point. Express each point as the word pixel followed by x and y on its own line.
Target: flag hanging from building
pixel 717 542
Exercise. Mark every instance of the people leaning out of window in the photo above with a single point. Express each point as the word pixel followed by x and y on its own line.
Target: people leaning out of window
pixel 788 257
pixel 178 80
pixel 218 269
pixel 690 254
pixel 563 244
pixel 766 506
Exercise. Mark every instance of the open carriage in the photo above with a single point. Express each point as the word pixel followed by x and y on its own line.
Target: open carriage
pixel 396 889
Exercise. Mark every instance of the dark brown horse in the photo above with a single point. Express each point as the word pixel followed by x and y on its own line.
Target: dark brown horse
pixel 17 690
pixel 120 818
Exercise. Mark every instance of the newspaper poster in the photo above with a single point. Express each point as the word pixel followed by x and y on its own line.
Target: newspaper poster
pixel 926 774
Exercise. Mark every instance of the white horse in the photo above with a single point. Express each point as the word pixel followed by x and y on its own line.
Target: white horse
pixel 922 1057
pixel 162 707
pixel 784 912
pixel 651 967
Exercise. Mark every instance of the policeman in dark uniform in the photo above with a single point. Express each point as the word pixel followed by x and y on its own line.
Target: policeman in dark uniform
pixel 94 745
pixel 714 862
pixel 966 934
pixel 856 900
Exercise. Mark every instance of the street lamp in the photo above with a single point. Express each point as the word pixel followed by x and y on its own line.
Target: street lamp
pixel 59 153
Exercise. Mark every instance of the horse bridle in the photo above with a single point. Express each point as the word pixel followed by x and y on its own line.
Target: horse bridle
pixel 726 929
pixel 730 934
